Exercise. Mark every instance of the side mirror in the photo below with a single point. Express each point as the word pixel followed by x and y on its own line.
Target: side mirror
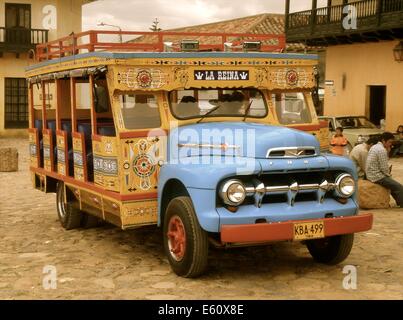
pixel 101 100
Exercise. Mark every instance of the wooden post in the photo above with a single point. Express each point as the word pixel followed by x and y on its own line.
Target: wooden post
pixel 44 124
pixel 93 111
pixel 73 104
pixel 58 105
pixel 31 106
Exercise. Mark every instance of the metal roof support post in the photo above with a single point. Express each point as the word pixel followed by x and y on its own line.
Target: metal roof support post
pixel 287 12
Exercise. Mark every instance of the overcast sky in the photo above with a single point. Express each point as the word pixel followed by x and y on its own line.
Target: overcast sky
pixel 139 14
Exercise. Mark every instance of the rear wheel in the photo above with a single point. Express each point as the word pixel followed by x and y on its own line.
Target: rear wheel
pixel 185 242
pixel 89 221
pixel 331 250
pixel 69 216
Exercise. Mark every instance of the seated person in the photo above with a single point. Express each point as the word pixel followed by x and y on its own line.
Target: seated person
pixel 359 155
pixel 378 170
pixel 339 142
pixel 397 147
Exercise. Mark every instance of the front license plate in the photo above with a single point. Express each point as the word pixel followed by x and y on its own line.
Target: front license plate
pixel 309 230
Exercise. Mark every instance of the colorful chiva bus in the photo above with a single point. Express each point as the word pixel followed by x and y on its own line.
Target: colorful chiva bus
pixel 194 140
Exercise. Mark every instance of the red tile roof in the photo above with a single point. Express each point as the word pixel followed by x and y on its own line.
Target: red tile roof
pixel 266 23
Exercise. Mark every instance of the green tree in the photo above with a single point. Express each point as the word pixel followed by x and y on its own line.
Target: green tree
pixel 154 26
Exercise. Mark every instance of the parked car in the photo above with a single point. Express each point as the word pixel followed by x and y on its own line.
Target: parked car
pixel 357 129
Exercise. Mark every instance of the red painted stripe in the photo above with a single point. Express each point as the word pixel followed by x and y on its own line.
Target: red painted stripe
pixel 93 187
pixel 144 133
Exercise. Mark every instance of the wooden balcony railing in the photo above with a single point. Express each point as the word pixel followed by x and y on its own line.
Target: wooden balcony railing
pixel 372 15
pixel 21 39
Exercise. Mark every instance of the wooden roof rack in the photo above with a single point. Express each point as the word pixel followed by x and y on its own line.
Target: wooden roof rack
pixel 90 41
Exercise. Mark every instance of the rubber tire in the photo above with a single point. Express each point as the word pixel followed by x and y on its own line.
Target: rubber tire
pixel 195 259
pixel 72 217
pixel 89 221
pixel 336 250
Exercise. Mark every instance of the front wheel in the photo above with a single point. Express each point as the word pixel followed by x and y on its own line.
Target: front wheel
pixel 331 250
pixel 185 242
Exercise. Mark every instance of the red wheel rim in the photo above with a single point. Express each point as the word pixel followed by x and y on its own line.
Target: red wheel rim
pixel 176 238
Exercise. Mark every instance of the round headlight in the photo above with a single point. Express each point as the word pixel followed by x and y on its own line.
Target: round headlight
pixel 345 185
pixel 233 192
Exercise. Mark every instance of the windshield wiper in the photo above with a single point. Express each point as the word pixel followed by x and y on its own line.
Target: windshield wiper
pixel 208 113
pixel 247 111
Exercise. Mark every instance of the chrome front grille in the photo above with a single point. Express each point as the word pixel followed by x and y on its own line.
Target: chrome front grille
pixel 259 190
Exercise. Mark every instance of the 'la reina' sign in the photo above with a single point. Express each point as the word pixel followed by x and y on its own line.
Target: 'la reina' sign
pixel 221 75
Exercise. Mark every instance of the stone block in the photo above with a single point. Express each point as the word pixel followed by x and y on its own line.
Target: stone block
pixel 372 195
pixel 8 159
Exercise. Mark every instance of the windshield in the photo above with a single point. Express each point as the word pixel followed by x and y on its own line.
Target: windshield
pixel 200 103
pixel 354 123
pixel 291 108
pixel 140 111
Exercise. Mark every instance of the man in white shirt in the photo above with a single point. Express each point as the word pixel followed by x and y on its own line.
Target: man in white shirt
pixel 359 155
pixel 377 168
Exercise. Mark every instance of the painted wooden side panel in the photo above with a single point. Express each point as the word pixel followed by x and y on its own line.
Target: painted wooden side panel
pixel 281 74
pixel 80 160
pixel 62 153
pixel 139 213
pixel 48 161
pixel 140 169
pixel 34 153
pixel 106 173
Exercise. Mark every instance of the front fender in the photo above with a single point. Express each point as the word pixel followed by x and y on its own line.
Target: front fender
pixel 200 177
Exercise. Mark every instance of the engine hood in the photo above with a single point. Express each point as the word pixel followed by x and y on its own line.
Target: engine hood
pixel 251 140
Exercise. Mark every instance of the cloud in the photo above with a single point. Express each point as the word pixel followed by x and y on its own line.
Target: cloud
pixel 139 14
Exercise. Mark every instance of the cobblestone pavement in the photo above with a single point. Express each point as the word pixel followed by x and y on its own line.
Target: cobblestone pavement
pixel 108 263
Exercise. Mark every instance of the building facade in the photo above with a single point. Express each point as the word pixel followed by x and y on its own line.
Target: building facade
pixel 23 24
pixel 363 74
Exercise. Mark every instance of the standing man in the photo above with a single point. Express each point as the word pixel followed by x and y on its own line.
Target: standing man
pixel 359 155
pixel 377 168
